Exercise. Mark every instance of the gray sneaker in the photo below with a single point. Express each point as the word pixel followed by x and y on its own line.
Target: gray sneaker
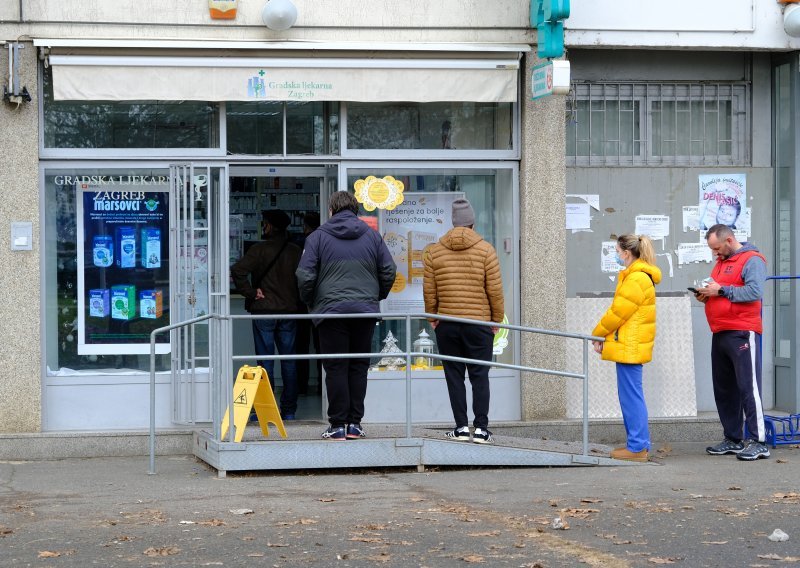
pixel 726 446
pixel 753 450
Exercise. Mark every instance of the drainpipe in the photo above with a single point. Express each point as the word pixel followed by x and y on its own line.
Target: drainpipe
pixel 21 19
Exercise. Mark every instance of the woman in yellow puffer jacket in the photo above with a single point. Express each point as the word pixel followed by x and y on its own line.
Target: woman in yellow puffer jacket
pixel 629 327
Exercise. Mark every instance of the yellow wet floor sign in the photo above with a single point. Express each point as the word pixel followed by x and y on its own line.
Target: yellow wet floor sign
pixel 252 390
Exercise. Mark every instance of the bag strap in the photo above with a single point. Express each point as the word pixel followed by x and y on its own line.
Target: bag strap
pixel 257 282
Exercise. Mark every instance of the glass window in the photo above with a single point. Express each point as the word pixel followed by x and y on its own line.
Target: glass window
pixel 60 256
pixel 430 126
pixel 257 128
pixel 128 124
pixel 491 195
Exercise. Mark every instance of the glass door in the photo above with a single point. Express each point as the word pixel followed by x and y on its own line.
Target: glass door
pixel 199 226
pixel 785 128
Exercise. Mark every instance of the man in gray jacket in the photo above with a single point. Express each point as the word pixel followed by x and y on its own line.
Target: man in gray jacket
pixel 265 277
pixel 346 268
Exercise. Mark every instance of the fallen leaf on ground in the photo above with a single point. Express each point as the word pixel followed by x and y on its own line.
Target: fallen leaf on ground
pixel 242 511
pixel 255 555
pixel 781 461
pixel 553 503
pixel 212 523
pixel 366 539
pixel 488 533
pixel 472 558
pixel 326 500
pixel 714 542
pixel 731 512
pixel 186 523
pixel 48 554
pixel 161 551
pixel 5 530
pixel 734 488
pixel 664 450
pixel 786 497
pixel 578 513
pixel 657 560
pixel 382 557
pixel 276 545
pixel 591 500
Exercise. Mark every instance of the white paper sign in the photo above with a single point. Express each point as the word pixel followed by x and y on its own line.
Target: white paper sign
pixel 592 200
pixel 654 226
pixel 691 218
pixel 578 216
pixel 693 252
pixel 608 257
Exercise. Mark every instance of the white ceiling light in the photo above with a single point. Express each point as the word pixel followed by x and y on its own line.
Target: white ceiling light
pixel 791 20
pixel 279 14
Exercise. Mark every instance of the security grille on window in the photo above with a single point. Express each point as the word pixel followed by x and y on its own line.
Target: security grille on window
pixel 630 124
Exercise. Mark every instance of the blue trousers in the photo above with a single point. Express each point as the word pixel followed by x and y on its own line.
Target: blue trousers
pixel 634 410
pixel 267 334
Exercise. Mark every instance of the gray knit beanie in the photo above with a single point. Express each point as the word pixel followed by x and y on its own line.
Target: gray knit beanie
pixel 463 214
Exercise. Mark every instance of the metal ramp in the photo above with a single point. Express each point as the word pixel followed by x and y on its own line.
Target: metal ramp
pixel 386 447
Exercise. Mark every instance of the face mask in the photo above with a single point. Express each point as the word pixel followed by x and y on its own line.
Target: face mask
pixel 620 261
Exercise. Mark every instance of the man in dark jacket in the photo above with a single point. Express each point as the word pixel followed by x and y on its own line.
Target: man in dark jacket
pixel 345 268
pixel 272 289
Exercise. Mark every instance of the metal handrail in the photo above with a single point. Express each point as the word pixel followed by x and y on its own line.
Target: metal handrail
pixel 408 353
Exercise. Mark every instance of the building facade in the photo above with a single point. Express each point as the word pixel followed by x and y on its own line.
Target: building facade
pixel 155 137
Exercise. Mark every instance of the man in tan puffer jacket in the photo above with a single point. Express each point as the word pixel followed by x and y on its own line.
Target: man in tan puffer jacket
pixel 462 279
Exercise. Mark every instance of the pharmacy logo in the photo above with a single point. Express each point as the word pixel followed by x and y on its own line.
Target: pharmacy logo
pixel 151 204
pixel 256 88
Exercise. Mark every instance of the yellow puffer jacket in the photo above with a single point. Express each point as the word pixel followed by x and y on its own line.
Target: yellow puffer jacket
pixel 462 277
pixel 629 325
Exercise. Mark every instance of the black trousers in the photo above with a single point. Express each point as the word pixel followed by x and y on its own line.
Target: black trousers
pixel 346 379
pixel 736 374
pixel 472 342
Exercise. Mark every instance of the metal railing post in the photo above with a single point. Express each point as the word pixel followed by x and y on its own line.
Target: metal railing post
pixel 408 376
pixel 585 397
pixel 152 469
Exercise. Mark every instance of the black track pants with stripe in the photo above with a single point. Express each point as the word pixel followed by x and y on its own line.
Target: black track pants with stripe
pixel 736 373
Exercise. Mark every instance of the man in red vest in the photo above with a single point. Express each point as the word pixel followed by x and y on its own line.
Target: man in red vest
pixel 733 310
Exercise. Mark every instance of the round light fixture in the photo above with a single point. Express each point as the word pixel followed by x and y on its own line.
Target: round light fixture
pixel 279 14
pixel 791 20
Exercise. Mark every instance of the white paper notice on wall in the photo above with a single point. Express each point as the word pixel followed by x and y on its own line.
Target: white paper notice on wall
pixel 608 257
pixel 743 222
pixel 654 226
pixel 578 216
pixel 693 252
pixel 691 218
pixel 592 200
pixel 740 236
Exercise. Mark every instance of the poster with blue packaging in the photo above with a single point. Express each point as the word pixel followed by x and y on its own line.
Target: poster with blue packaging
pixel 123 267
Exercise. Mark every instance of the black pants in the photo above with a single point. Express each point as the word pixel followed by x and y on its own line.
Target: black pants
pixel 736 373
pixel 472 342
pixel 346 379
pixel 306 333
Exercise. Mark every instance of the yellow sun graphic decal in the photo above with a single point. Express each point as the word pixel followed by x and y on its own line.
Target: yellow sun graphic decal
pixel 379 193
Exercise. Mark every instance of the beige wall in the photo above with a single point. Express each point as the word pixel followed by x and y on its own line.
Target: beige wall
pixel 543 249
pixel 20 355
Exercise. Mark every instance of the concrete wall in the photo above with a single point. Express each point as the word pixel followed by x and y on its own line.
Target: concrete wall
pixel 20 355
pixel 542 246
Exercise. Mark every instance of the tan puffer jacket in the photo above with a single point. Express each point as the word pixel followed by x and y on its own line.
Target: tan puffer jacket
pixel 462 277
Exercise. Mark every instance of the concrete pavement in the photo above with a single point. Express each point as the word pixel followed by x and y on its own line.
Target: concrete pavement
pixel 688 509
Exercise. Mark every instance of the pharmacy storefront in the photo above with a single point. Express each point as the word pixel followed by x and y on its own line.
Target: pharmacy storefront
pixel 158 163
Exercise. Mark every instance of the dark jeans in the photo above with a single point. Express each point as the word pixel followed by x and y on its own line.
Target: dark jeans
pixel 471 342
pixel 306 333
pixel 268 334
pixel 346 379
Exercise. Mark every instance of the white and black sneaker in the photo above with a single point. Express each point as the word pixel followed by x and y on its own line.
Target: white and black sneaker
pixel 726 446
pixel 753 450
pixel 461 434
pixel 481 436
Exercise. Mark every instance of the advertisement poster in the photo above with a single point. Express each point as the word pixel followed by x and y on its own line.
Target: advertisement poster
pixel 123 269
pixel 421 219
pixel 722 199
pixel 608 257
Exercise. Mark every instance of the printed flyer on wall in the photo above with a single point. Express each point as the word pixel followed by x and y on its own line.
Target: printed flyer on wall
pixel 421 219
pixel 722 198
pixel 123 269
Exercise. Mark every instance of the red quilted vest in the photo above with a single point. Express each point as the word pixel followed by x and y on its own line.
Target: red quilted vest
pixel 724 315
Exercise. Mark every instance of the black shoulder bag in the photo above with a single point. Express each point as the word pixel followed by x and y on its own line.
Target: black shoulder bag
pixel 256 283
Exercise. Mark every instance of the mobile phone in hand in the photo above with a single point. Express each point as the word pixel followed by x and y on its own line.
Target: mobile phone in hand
pixel 693 290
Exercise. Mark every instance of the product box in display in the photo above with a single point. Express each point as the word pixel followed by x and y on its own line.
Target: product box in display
pixel 151 247
pixel 102 251
pixel 99 303
pixel 151 304
pixel 126 247
pixel 417 241
pixel 123 302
